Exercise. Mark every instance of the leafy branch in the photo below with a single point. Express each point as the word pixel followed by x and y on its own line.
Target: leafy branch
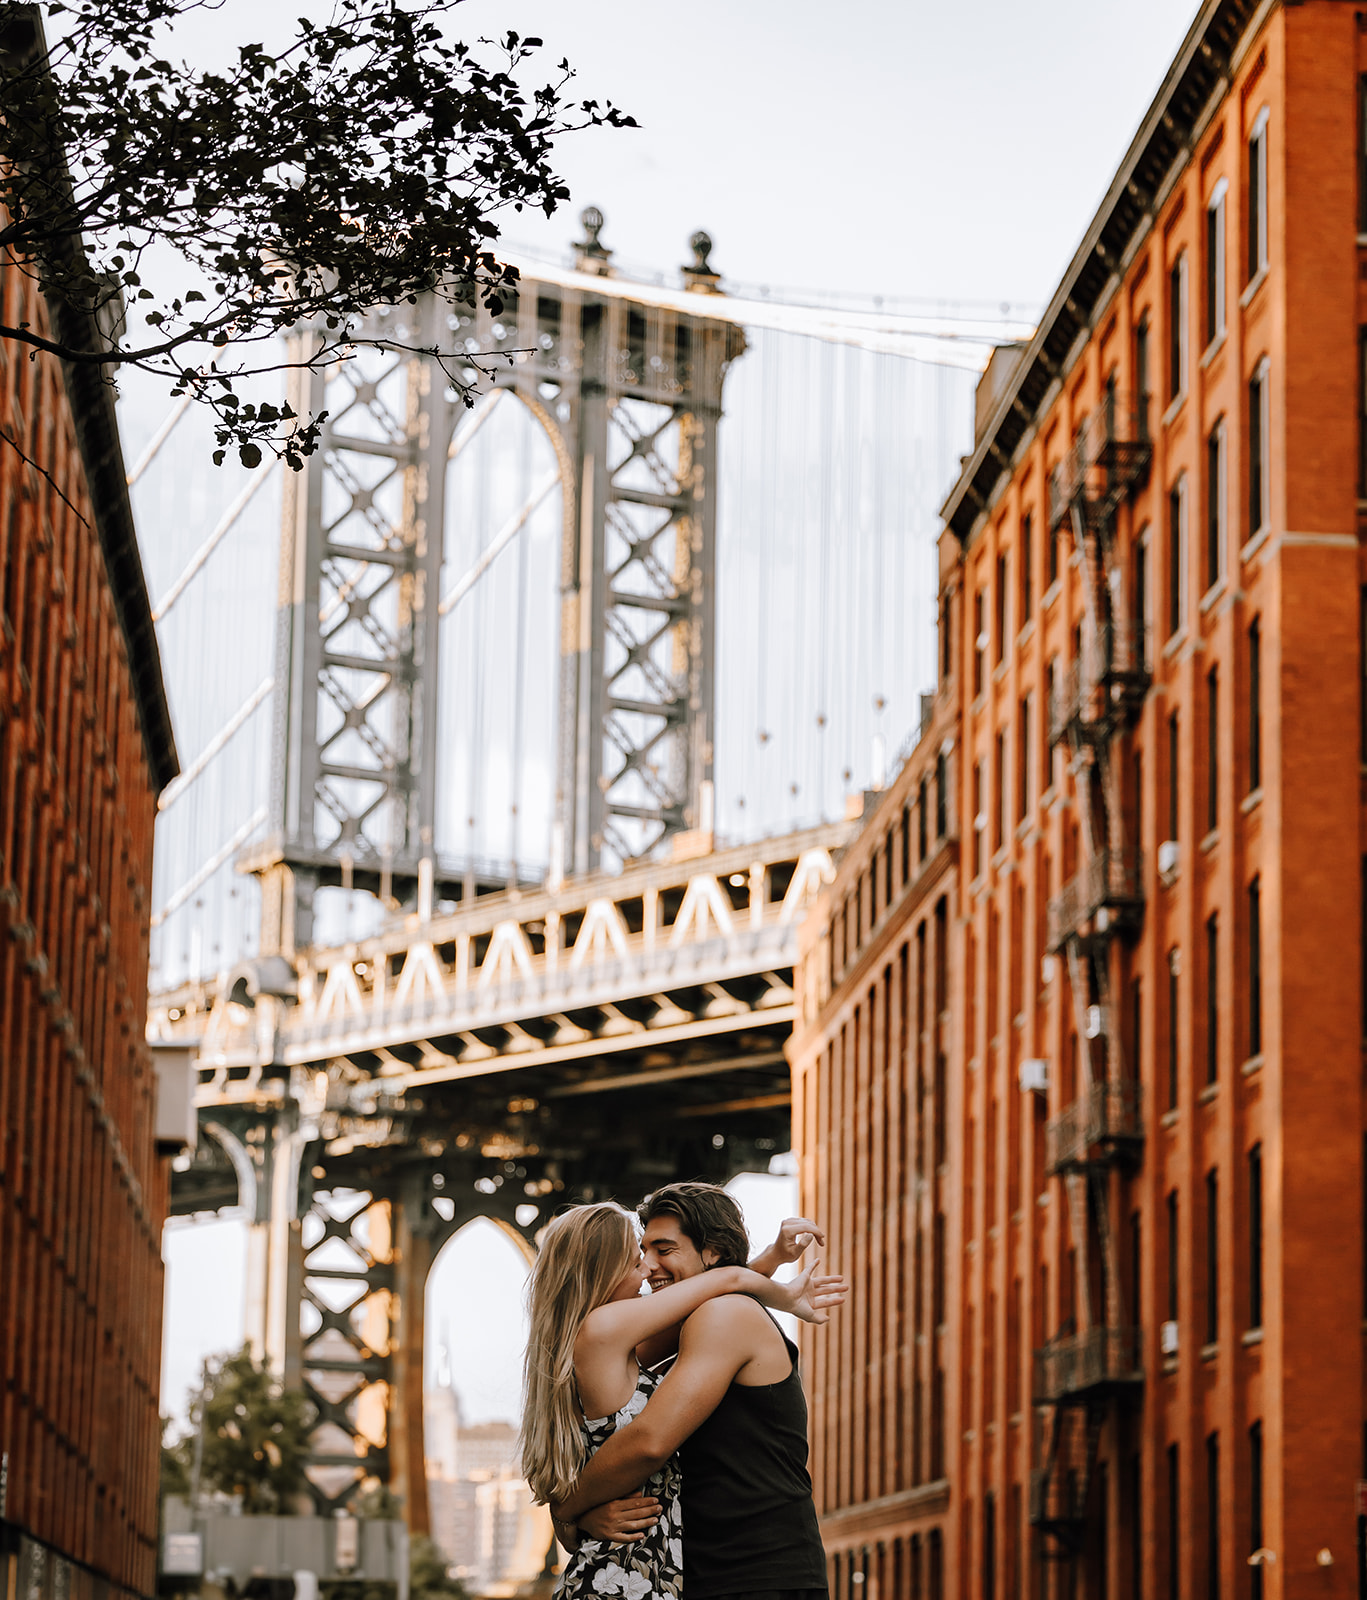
pixel 365 164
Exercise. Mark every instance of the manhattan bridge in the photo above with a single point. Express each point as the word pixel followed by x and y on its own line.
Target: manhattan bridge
pixel 518 738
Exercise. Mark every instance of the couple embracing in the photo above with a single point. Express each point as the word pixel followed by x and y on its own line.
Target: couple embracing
pixel 697 1475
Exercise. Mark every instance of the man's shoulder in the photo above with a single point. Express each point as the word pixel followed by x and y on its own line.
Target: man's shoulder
pixel 735 1315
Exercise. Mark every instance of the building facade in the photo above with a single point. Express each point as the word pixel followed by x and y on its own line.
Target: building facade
pixel 85 746
pixel 1145 1218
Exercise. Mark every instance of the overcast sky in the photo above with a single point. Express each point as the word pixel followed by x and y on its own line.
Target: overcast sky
pixel 897 147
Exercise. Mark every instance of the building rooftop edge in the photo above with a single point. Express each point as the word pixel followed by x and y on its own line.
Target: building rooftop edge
pixel 1202 60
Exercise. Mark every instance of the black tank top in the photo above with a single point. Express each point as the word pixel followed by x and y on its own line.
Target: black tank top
pixel 748 1518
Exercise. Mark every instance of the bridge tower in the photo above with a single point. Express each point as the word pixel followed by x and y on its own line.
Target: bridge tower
pixel 629 391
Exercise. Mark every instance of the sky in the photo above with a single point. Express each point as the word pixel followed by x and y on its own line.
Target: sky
pixel 902 148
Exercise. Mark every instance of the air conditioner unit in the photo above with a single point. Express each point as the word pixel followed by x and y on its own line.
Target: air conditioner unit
pixel 1169 854
pixel 1167 1338
pixel 1093 1022
pixel 1034 1074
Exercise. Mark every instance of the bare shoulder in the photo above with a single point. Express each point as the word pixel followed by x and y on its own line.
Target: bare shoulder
pixel 730 1316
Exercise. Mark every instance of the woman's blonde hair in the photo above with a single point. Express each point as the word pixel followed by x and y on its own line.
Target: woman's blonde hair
pixel 585 1253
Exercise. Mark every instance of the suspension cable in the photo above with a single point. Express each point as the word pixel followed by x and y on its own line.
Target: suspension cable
pixel 173 791
pixel 212 543
pixel 210 867
pixel 505 534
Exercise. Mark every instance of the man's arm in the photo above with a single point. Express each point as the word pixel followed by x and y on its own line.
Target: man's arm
pixel 718 1340
pixel 794 1236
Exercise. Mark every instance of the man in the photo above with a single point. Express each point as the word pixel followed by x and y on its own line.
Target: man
pixel 732 1406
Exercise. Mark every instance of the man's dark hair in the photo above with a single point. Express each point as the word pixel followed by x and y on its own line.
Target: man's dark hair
pixel 708 1215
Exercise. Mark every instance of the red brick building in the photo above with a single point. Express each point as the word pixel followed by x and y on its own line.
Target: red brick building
pixel 1108 1338
pixel 85 746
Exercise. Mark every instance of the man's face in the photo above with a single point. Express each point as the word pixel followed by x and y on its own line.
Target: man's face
pixel 670 1255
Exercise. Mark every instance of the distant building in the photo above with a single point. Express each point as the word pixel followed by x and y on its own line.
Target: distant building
pixel 481 1509
pixel 85 747
pixel 1078 1070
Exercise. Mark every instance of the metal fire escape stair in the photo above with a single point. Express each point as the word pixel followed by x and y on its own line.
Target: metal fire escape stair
pixel 1081 1372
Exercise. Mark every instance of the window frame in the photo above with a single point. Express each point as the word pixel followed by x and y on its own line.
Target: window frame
pixel 1257 194
pixel 1216 259
pixel 1179 344
pixel 1255 705
pixel 1177 555
pixel 1259 453
pixel 1217 504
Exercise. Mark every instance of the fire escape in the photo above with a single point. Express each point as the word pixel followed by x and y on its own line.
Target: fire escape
pixel 1092 1362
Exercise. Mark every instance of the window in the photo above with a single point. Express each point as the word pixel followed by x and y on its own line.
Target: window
pixel 1138 787
pixel 1174 972
pixel 1255 702
pixel 1143 607
pixel 1212 999
pixel 989 1546
pixel 1215 263
pixel 1255 1505
pixel 1212 1256
pixel 906 843
pixel 941 795
pixel 1000 614
pixel 1172 1255
pixel 1362 154
pixel 1213 1517
pixel 979 817
pixel 1177 555
pixel 1136 1030
pixel 1023 761
pixel 946 654
pixel 1142 385
pixel 1255 968
pixel 1173 775
pixel 1048 713
pixel 1051 576
pixel 1362 413
pixel 1177 327
pixel 1255 1239
pixel 979 643
pixel 1212 750
pixel 1259 449
pixel 1362 668
pixel 922 820
pixel 1215 505
pixel 999 793
pixel 1027 570
pixel 1257 196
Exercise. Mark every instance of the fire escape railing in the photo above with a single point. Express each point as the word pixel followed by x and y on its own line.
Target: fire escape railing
pixel 1106 1124
pixel 1079 1375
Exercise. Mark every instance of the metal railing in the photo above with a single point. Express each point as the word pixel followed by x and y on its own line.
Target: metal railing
pixel 1073 1365
pixel 1107 680
pixel 1109 1119
pixel 1109 455
pixel 1111 882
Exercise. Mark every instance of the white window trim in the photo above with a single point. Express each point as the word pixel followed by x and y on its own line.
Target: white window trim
pixel 1182 265
pixel 1183 551
pixel 1263 373
pixel 1258 136
pixel 1216 203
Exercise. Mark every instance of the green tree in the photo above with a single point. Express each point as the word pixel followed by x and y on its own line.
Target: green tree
pixel 255 1437
pixel 362 165
pixel 427 1579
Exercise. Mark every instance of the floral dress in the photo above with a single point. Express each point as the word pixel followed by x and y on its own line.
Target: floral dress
pixel 653 1568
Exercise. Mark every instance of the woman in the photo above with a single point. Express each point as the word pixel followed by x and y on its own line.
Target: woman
pixel 583 1380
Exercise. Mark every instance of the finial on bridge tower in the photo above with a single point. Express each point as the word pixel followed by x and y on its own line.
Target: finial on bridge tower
pixel 700 277
pixel 591 254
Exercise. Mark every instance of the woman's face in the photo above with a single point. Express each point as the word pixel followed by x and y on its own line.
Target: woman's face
pixel 630 1286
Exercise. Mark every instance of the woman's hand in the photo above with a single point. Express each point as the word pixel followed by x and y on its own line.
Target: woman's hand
pixel 621 1521
pixel 794 1236
pixel 811 1298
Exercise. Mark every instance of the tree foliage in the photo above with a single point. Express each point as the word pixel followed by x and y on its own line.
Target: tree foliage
pixel 255 1438
pixel 364 164
pixel 427 1576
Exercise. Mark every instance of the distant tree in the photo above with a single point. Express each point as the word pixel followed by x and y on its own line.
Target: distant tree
pixel 427 1576
pixel 175 1475
pixel 363 165
pixel 255 1438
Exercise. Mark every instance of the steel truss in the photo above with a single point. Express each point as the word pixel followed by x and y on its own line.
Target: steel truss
pixel 630 395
